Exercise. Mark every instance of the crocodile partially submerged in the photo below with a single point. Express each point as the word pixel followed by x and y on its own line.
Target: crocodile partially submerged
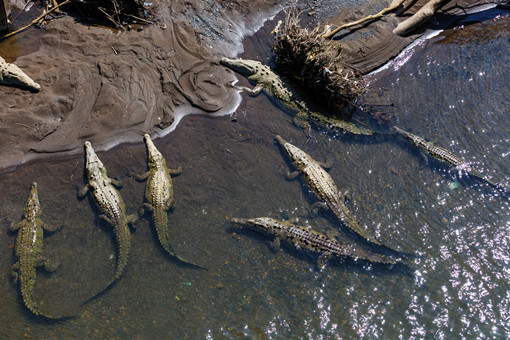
pixel 11 74
pixel 159 193
pixel 310 241
pixel 443 155
pixel 324 187
pixel 278 87
pixel 110 203
pixel 28 250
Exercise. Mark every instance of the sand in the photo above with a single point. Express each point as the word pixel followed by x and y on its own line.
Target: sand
pixel 112 87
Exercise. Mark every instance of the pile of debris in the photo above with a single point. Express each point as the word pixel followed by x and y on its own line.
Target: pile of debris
pixel 117 13
pixel 315 64
pixel 120 14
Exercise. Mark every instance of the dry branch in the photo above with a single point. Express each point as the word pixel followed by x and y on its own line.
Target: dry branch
pixel 394 5
pixel 36 20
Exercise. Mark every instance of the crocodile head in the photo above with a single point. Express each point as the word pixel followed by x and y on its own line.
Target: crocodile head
pixel 417 140
pixel 93 165
pixel 245 67
pixel 153 154
pixel 265 224
pixel 298 156
pixel 32 208
pixel 11 74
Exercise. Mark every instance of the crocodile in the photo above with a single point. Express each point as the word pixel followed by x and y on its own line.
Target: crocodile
pixel 443 155
pixel 323 186
pixel 28 250
pixel 11 74
pixel 310 241
pixel 159 193
pixel 279 87
pixel 110 203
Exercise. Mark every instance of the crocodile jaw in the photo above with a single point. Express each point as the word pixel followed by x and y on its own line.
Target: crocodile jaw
pixel 11 74
pixel 244 67
pixel 264 224
pixel 33 208
pixel 153 154
pixel 298 156
pixel 92 161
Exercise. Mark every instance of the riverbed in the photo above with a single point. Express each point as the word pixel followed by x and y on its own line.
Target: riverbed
pixel 452 89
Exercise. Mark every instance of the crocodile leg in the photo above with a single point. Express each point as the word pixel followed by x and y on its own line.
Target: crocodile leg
pixel 333 233
pixel 141 177
pixel 323 260
pixel 15 227
pixel 424 157
pixel 252 92
pixel 115 182
pixel 176 171
pixel 106 219
pixel 301 120
pixel 14 272
pixel 83 192
pixel 131 220
pixel 169 203
pixel 48 264
pixel 326 165
pixel 145 207
pixel 317 206
pixel 50 228
pixel 275 245
pixel 291 175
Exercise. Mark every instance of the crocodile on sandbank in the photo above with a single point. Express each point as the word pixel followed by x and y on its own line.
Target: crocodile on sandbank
pixel 443 155
pixel 323 186
pixel 277 86
pixel 28 250
pixel 110 203
pixel 11 74
pixel 310 241
pixel 159 193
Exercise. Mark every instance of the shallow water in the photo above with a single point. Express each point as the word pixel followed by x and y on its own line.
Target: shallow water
pixel 453 91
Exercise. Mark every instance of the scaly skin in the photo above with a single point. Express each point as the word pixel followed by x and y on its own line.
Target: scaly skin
pixel 310 241
pixel 110 203
pixel 29 248
pixel 159 194
pixel 324 187
pixel 11 74
pixel 273 84
pixel 443 155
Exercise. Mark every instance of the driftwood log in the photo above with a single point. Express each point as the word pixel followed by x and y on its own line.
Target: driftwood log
pixel 419 18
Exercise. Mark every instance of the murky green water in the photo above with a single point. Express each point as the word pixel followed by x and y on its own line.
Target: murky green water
pixel 453 90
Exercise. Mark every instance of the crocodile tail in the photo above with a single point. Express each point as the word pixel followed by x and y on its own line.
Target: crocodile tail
pixel 160 218
pixel 27 282
pixel 348 219
pixel 100 292
pixel 375 257
pixel 161 224
pixel 123 236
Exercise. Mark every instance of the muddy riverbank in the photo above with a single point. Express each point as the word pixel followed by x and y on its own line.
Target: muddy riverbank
pixel 112 87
